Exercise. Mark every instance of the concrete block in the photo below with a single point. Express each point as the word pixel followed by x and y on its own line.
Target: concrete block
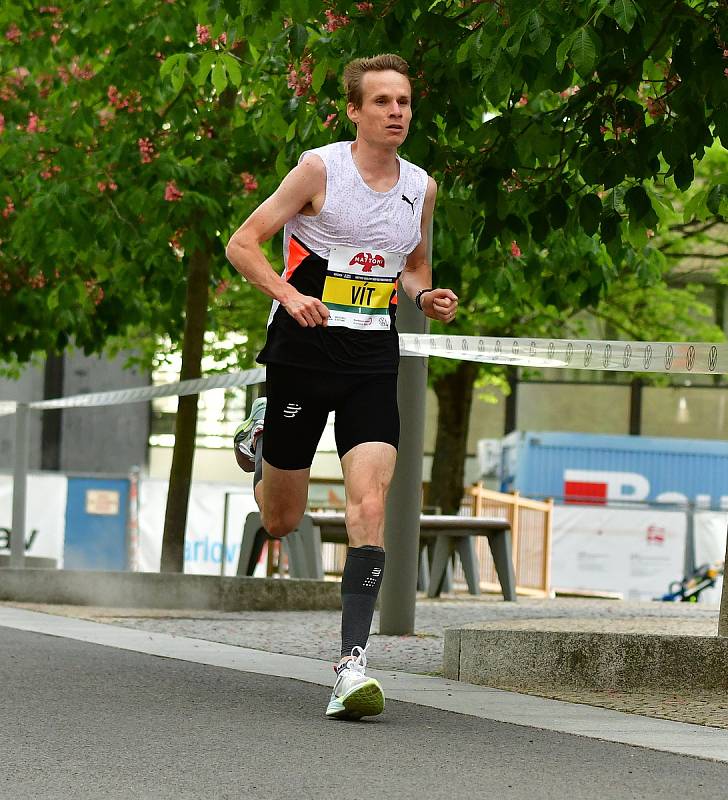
pixel 542 660
pixel 166 590
pixel 451 655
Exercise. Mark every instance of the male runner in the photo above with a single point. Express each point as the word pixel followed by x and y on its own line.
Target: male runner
pixel 356 217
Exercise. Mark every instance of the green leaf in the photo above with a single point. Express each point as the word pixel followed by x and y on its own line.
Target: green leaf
pixel 716 196
pixel 291 132
pixel 178 76
pixel 590 211
pixel 610 223
pixel 319 75
pixel 638 203
pixel 232 67
pixel 170 63
pixel 281 163
pixel 563 50
pixel 684 174
pixel 463 51
pixel 297 38
pixel 219 77
pixel 625 14
pixel 584 51
pixel 558 211
pixel 206 62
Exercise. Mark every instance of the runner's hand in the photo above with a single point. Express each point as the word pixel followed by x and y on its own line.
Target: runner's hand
pixel 307 311
pixel 440 304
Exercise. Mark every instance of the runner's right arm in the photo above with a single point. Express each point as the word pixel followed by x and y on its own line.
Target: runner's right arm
pixel 305 185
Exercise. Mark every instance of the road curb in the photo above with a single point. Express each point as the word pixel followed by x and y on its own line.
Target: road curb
pixel 166 590
pixel 543 660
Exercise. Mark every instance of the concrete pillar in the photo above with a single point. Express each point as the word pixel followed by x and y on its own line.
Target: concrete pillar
pixel 402 524
pixel 20 480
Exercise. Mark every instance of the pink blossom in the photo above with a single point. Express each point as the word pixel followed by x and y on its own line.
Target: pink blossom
pixel 49 10
pixel 9 207
pixel 220 41
pixel 649 233
pixel 329 120
pixel 300 82
pixel 33 123
pixel 365 8
pixel 203 34
pixel 523 101
pixel 101 186
pixel 82 73
pixel 2 123
pixel 250 184
pixel 222 287
pixel 55 38
pixel 515 250
pixel 146 150
pixel 335 20
pixel 13 34
pixel 172 193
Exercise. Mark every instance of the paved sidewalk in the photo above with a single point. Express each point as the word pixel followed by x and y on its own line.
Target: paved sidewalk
pixel 315 634
pixel 94 710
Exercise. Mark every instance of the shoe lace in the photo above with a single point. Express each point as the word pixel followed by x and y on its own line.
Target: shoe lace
pixel 358 660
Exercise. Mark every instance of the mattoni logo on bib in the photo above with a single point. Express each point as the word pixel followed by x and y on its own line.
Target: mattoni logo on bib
pixel 367 261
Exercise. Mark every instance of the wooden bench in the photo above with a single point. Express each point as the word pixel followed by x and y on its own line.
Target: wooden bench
pixel 446 534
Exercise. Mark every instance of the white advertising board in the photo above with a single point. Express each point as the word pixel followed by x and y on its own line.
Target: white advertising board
pixel 710 542
pixel 203 537
pixel 635 552
pixel 45 515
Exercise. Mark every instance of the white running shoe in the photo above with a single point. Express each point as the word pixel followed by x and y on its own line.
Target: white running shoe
pixel 246 436
pixel 354 695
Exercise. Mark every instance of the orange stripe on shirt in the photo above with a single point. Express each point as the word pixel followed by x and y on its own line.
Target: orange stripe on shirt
pixel 296 254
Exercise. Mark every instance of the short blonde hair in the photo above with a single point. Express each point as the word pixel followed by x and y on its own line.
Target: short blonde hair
pixel 354 73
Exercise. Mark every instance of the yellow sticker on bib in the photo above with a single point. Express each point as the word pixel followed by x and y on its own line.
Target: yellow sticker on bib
pixel 359 287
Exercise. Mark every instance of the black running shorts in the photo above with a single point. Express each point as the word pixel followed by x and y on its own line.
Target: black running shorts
pixel 299 402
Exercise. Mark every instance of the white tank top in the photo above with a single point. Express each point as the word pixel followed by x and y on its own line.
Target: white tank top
pixel 354 215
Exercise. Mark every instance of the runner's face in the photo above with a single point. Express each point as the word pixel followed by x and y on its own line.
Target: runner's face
pixel 386 109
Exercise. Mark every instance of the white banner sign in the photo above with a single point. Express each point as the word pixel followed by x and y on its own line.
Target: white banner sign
pixel 203 537
pixel 635 552
pixel 710 542
pixel 45 520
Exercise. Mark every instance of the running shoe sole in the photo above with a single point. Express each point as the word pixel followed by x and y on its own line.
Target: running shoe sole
pixel 245 462
pixel 366 700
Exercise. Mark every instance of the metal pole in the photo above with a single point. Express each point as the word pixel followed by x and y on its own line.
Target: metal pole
pixel 20 482
pixel 223 555
pixel 402 523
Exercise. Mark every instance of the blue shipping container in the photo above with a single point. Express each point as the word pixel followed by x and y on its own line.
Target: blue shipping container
pixel 596 469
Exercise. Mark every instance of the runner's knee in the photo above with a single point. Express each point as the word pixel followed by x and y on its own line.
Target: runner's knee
pixel 279 525
pixel 366 514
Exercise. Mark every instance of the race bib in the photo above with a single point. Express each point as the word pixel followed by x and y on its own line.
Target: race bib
pixel 359 287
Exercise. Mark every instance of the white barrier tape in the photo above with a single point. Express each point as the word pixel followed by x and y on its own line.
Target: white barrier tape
pixel 180 388
pixel 664 357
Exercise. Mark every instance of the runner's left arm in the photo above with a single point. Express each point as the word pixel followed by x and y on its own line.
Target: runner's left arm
pixel 439 304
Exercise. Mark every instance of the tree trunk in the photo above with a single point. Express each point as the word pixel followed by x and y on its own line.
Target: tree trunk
pixel 52 420
pixel 455 397
pixel 185 429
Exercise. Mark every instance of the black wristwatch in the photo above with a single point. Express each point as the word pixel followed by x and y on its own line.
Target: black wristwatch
pixel 418 298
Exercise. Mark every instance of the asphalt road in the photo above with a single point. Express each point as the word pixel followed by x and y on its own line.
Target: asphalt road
pixel 86 721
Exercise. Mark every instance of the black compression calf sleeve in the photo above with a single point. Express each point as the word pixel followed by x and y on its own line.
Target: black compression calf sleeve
pixel 360 584
pixel 258 474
